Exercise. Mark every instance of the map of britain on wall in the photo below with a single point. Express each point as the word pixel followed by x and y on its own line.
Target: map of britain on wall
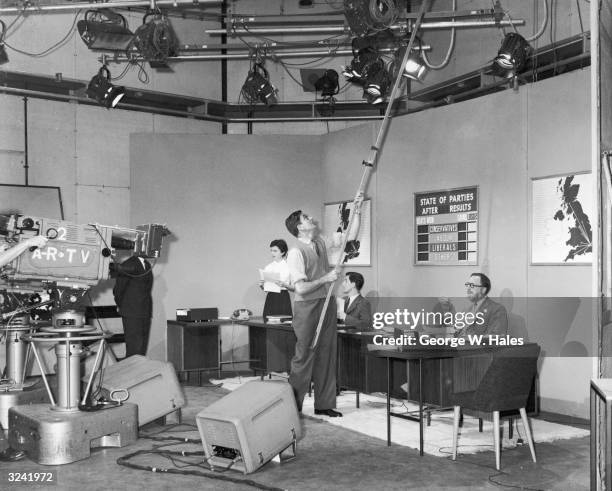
pixel 562 209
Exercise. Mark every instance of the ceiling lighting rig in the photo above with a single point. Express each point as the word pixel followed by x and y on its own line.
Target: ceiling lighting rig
pixel 155 40
pixel 102 90
pixel 368 16
pixel 257 86
pixel 368 69
pixel 512 56
pixel 105 30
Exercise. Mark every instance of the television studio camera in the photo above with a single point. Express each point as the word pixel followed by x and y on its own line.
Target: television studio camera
pixel 42 297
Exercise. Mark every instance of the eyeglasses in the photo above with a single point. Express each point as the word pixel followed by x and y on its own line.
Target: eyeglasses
pixel 472 285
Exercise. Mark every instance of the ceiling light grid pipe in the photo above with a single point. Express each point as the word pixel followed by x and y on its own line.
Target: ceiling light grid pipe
pixel 120 58
pixel 65 7
pixel 309 119
pixel 122 105
pixel 344 29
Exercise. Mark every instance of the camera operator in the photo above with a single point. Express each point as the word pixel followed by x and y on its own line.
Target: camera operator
pixel 132 292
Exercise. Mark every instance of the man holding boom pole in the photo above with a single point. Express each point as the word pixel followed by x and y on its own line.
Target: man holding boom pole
pixel 309 267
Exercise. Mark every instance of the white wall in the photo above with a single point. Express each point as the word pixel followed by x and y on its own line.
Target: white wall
pixel 224 198
pixel 498 142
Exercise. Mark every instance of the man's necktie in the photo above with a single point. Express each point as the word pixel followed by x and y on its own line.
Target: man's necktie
pixel 346 304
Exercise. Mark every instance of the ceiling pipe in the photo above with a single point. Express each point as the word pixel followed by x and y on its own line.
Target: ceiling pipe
pixel 64 7
pixel 346 43
pixel 120 58
pixel 344 29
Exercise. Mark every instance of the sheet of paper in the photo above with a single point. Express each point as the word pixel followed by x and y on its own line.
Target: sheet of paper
pixel 269 278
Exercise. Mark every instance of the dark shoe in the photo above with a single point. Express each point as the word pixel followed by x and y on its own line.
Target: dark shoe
pixel 328 412
pixel 11 455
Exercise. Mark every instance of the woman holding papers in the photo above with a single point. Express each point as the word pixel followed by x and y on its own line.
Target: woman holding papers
pixel 274 279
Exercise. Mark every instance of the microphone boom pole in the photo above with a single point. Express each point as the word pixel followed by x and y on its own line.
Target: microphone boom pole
pixel 372 158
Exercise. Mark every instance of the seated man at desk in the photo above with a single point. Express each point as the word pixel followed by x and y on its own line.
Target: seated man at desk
pixel 490 317
pixel 354 311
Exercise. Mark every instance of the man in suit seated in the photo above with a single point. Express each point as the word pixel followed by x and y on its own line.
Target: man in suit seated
pixel 355 312
pixel 490 317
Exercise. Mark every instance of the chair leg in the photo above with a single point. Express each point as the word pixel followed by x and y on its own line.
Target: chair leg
pixel 528 432
pixel 480 425
pixel 496 439
pixel 456 414
pixel 510 428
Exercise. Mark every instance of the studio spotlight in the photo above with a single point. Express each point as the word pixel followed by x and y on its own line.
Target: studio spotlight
pixel 101 89
pixel 360 63
pixel 104 29
pixel 257 86
pixel 415 68
pixel 328 84
pixel 155 40
pixel 512 55
pixel 377 82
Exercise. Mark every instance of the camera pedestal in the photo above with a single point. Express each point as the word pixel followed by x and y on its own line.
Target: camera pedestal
pixel 51 437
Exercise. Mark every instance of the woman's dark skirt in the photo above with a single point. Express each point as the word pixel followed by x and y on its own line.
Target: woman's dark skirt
pixel 277 304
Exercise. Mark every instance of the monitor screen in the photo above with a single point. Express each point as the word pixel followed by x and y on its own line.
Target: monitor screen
pixel 40 201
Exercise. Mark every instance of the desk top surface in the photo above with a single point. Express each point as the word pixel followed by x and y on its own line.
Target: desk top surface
pixel 425 352
pixel 203 324
pixel 287 326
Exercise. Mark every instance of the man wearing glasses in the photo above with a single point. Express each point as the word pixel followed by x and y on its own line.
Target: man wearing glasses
pixel 493 318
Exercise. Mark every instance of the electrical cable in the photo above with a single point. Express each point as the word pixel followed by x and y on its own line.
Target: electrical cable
pixel 505 485
pixel 174 439
pixel 57 45
pixel 169 429
pixel 143 76
pixel 381 16
pixel 542 27
pixel 124 72
pixel 94 311
pixel 451 47
pixel 124 461
pixel 281 63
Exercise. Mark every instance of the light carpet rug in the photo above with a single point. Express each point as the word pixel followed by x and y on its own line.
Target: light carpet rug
pixel 371 419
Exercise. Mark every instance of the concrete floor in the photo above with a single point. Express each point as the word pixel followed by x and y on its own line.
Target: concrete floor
pixel 329 458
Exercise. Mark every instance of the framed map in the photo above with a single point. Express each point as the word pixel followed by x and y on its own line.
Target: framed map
pixel 562 212
pixel 336 217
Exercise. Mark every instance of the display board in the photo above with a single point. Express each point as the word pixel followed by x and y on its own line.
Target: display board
pixel 446 225
pixel 40 201
pixel 562 212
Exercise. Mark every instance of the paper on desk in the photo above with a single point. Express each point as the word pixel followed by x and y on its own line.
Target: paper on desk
pixel 269 278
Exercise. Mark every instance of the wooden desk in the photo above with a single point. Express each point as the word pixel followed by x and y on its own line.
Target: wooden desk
pixel 421 355
pixel 193 346
pixel 357 369
pixel 271 346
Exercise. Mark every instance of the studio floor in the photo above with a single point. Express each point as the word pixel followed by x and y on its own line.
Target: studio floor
pixel 328 458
